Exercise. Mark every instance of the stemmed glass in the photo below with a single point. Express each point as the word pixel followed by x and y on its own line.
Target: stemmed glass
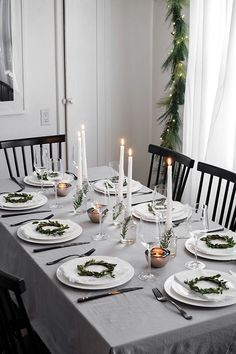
pixel 100 202
pixel 199 217
pixel 149 236
pixel 41 164
pixel 55 174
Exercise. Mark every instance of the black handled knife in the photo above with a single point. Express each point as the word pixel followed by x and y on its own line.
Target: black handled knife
pixel 25 213
pixel 42 249
pixel 114 292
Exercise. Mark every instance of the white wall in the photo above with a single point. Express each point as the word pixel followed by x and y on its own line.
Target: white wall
pixel 136 44
pixel 139 40
pixel 39 74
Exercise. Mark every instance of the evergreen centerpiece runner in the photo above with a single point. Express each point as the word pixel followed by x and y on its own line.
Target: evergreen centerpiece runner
pixel 109 268
pixel 18 197
pixel 229 241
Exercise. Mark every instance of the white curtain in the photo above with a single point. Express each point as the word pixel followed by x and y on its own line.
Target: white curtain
pixel 209 129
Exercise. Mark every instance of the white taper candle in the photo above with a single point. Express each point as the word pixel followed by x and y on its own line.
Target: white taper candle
pixel 84 158
pixel 169 196
pixel 129 186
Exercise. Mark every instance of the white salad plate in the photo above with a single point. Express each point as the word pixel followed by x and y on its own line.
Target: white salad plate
pixel 28 233
pixel 68 275
pixel 32 180
pixel 37 201
pixel 178 291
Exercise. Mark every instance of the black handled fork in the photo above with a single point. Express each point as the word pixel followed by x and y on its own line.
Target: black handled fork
pixel 160 297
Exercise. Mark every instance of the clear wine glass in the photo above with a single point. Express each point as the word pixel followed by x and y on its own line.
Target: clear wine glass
pixel 149 236
pixel 100 202
pixel 55 174
pixel 198 223
pixel 41 164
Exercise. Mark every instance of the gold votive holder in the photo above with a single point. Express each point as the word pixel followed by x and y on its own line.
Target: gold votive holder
pixel 94 214
pixel 63 189
pixel 159 256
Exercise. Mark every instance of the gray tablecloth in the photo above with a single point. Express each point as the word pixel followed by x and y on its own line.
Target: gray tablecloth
pixel 129 323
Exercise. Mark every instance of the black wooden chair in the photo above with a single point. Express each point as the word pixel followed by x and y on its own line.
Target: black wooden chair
pixel 6 92
pixel 16 333
pixel 158 169
pixel 217 188
pixel 19 153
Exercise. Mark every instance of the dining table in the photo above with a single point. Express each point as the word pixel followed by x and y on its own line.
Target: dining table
pixel 129 323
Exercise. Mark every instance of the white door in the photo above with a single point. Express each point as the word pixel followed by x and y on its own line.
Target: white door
pixel 81 75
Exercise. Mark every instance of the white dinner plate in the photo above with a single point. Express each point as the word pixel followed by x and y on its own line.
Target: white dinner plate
pixel 99 186
pixel 32 180
pixel 183 289
pixel 23 233
pixel 171 292
pixel 189 245
pixel 202 246
pixel 37 201
pixel 179 212
pixel 67 274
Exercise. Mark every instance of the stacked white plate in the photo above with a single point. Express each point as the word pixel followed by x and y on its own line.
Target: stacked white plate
pixel 178 290
pixel 179 212
pixel 28 233
pixel 33 180
pixel 37 201
pixel 67 273
pixel 218 254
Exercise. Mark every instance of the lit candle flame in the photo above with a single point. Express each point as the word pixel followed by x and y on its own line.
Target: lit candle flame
pixel 169 162
pixel 122 142
pixel 130 152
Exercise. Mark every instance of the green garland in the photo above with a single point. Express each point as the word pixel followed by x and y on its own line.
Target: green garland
pixel 85 272
pixel 214 279
pixel 176 63
pixel 229 241
pixel 56 228
pixel 18 197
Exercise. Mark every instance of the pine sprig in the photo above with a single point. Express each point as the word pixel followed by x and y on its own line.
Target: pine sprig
pixel 125 227
pixel 176 63
pixel 78 199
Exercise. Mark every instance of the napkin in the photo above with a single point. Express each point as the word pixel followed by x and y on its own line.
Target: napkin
pixel 179 278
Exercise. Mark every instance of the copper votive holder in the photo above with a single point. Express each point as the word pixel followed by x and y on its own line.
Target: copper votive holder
pixel 63 189
pixel 94 214
pixel 159 256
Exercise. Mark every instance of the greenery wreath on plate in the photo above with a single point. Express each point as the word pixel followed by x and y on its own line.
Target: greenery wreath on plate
pixel 214 279
pixel 45 175
pixel 109 268
pixel 18 197
pixel 229 241
pixel 51 227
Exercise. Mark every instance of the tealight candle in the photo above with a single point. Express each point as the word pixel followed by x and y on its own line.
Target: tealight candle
pixel 63 189
pixel 159 256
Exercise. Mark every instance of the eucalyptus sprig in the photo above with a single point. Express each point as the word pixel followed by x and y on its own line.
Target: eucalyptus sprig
pixel 214 279
pixel 209 238
pixel 18 197
pixel 51 227
pixel 83 271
